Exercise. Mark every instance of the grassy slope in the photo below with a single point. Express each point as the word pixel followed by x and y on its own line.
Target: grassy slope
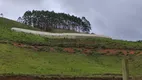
pixel 7 34
pixel 63 31
pixel 25 61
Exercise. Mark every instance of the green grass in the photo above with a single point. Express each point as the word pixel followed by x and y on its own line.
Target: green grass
pixel 25 61
pixel 7 23
pixel 7 34
pixel 63 31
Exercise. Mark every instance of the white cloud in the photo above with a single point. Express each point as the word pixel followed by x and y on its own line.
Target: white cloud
pixel 52 5
pixel 120 19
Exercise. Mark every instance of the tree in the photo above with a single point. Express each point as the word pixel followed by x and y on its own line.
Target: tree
pixel 27 17
pixel 1 14
pixel 86 25
pixel 20 20
pixel 48 20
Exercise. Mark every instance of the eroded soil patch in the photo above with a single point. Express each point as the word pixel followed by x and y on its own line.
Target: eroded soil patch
pixel 79 50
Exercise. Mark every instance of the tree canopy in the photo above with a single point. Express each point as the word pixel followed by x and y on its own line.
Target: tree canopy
pixel 48 20
pixel 1 14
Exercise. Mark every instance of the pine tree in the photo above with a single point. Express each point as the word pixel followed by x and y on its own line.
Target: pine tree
pixel 48 20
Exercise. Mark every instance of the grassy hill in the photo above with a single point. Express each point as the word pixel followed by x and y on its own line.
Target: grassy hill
pixel 25 59
pixel 7 34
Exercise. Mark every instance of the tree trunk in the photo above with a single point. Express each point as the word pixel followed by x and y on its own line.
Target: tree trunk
pixel 125 70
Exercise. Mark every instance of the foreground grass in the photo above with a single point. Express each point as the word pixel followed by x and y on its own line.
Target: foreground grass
pixel 25 61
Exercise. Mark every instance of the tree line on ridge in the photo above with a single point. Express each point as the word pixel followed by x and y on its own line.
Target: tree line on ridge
pixel 49 20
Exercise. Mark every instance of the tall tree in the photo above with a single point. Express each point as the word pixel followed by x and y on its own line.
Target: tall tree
pixel 48 20
pixel 1 14
pixel 27 17
pixel 86 25
pixel 20 20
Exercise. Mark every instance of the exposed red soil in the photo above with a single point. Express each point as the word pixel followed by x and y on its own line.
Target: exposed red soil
pixel 70 50
pixel 19 45
pixel 81 50
pixel 115 51
pixel 87 51
pixel 52 49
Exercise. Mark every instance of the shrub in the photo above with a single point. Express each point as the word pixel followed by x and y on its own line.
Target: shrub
pixel 59 49
pixel 120 53
pixel 108 51
pixel 77 50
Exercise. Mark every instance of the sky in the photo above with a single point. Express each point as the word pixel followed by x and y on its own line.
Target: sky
pixel 119 19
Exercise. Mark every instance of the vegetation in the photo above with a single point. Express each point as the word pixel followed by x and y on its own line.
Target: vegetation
pixel 63 31
pixel 7 35
pixel 26 61
pixel 94 43
pixel 106 43
pixel 1 14
pixel 60 62
pixel 49 20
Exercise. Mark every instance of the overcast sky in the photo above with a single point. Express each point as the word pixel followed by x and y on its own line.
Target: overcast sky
pixel 120 19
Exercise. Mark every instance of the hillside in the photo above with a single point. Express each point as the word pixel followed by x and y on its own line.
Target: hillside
pixel 26 61
pixel 56 35
pixel 34 62
pixel 7 35
pixel 30 54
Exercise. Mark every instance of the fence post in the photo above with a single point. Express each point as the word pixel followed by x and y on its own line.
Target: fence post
pixel 125 70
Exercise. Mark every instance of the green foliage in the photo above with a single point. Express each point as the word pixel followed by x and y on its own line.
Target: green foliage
pixel 78 50
pixel 49 20
pixel 120 53
pixel 95 43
